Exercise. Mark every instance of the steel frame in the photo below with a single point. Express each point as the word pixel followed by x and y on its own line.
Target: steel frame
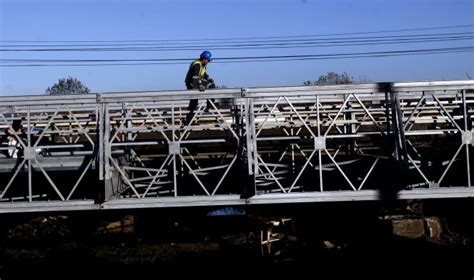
pixel 58 135
pixel 282 144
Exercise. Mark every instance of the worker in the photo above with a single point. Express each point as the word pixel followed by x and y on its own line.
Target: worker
pixel 197 78
pixel 14 148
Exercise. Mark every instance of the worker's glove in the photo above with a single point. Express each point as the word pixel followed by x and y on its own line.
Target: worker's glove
pixel 202 87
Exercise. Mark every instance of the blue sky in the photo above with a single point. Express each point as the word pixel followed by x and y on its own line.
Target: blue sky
pixel 106 20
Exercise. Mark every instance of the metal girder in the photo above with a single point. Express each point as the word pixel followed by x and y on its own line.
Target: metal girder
pixel 340 196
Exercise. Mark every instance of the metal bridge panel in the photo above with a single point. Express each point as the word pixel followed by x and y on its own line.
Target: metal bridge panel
pixel 253 145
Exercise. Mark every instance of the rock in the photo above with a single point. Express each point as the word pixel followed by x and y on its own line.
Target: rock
pixel 125 225
pixel 328 245
pixel 410 228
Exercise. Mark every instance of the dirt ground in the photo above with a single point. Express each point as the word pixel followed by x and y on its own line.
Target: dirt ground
pixel 325 246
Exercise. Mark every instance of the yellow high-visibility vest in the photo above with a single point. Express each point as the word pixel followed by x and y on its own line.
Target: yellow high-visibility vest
pixel 202 68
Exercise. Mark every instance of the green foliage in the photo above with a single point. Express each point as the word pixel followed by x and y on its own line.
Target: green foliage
pixel 331 78
pixel 44 228
pixel 68 86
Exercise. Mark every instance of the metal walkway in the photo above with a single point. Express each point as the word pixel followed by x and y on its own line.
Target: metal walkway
pixel 252 146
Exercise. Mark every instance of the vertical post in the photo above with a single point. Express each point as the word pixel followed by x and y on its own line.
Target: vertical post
pixel 106 143
pixel 106 154
pixel 254 138
pixel 249 185
pixel 172 121
pixel 100 151
pixel 248 137
pixel 293 165
pixel 398 130
pixel 344 118
pixel 464 108
pixel 175 183
pixel 319 151
pixel 30 181
pixel 468 165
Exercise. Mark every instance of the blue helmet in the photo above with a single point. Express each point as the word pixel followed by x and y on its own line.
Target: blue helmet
pixel 207 55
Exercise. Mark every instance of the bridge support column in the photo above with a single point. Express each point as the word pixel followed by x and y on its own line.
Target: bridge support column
pixel 250 157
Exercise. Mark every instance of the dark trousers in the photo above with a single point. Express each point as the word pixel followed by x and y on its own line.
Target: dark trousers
pixel 193 103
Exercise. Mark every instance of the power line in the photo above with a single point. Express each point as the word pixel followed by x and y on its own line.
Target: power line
pixel 243 38
pixel 246 47
pixel 268 45
pixel 268 42
pixel 122 62
pixel 210 43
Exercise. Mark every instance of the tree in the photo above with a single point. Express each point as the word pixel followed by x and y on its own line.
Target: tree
pixel 68 86
pixel 331 78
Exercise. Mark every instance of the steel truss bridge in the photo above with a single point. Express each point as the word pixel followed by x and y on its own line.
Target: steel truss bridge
pixel 251 146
